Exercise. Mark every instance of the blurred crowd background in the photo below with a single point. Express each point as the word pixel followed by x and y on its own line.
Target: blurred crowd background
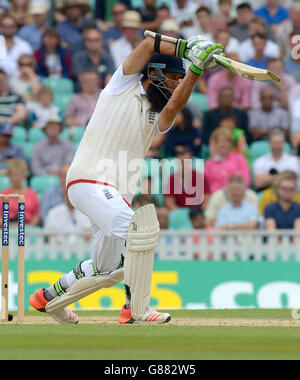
pixel 57 56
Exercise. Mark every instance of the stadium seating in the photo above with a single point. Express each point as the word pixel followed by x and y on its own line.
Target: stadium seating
pixel 200 99
pixel 5 182
pixel 60 85
pixel 28 147
pixel 35 135
pixel 179 219
pixel 260 148
pixel 41 183
pixel 62 101
pixel 77 133
pixel 20 135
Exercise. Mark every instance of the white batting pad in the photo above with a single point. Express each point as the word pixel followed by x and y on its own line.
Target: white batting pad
pixel 142 240
pixel 83 288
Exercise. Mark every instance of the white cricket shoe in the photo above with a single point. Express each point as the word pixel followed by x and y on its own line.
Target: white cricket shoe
pixel 151 317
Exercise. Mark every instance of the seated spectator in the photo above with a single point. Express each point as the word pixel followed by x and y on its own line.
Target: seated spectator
pixel 14 45
pixel 240 30
pixel 203 22
pixel 141 200
pixel 295 119
pixel 163 218
pixel 225 10
pixel 225 78
pixel 20 11
pixel 185 188
pixel 269 195
pixel 27 84
pixel 94 57
pixel 237 214
pixel 225 107
pixel 8 150
pixel 231 44
pixel 12 109
pixel 50 154
pixel 70 30
pixel 238 136
pixel 122 47
pixel 280 90
pixel 292 60
pixel 197 218
pixel 55 195
pixel 183 135
pixel 224 164
pixel 170 28
pixel 44 108
pixel 105 20
pixel 114 32
pixel 184 12
pixel 269 117
pixel 285 213
pixel 33 32
pixel 259 60
pixel 53 60
pixel 247 51
pixel 148 14
pixel 273 13
pixel 65 218
pixel 82 106
pixel 266 168
pixel 283 31
pixel 220 198
pixel 18 172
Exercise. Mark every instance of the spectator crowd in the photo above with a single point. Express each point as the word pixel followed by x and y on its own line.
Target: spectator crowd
pixel 57 56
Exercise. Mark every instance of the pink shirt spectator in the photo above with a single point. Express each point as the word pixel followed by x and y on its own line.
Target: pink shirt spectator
pixel 288 82
pixel 241 87
pixel 32 205
pixel 217 173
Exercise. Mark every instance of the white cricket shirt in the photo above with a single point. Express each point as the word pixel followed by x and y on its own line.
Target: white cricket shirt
pixel 117 138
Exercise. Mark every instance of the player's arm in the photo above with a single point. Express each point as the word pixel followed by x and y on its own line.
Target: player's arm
pixel 177 101
pixel 141 55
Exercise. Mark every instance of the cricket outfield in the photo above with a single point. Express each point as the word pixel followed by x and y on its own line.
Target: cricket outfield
pixel 191 335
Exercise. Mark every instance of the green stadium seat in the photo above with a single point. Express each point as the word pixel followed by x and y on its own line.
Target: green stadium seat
pixel 65 134
pixel 35 135
pixel 20 135
pixel 260 148
pixel 60 85
pixel 205 152
pixel 200 99
pixel 78 133
pixel 5 182
pixel 62 101
pixel 27 148
pixel 41 183
pixel 179 219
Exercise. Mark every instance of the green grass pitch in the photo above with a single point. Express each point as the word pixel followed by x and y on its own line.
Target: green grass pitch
pixel 184 339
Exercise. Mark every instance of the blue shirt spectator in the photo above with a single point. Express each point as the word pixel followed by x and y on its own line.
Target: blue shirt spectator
pixel 51 198
pixel 261 64
pixel 285 219
pixel 33 33
pixel 231 214
pixel 282 14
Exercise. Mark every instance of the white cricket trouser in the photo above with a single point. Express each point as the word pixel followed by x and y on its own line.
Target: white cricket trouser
pixel 110 216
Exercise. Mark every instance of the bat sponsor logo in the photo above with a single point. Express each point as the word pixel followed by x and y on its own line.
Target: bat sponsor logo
pixel 248 76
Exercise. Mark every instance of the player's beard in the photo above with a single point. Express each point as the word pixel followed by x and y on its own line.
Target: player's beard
pixel 156 98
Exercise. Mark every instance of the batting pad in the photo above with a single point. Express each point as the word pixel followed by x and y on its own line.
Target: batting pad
pixel 83 288
pixel 142 241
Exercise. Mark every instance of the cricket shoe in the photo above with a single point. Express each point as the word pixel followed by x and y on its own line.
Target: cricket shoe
pixel 151 317
pixel 64 317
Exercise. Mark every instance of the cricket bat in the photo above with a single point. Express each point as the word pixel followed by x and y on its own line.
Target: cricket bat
pixel 241 69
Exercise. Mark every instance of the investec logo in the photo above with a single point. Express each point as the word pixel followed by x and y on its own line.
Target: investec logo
pixel 21 225
pixel 5 225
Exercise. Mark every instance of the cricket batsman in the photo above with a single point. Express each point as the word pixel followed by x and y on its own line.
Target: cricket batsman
pixel 139 103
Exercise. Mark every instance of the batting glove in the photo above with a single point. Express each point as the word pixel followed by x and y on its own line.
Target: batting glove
pixel 201 54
